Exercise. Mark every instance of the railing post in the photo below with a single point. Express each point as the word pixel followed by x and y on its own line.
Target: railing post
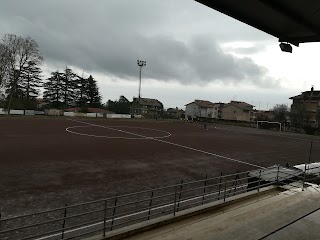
pixel 259 180
pixel 175 200
pixel 278 174
pixel 64 221
pixel 204 189
pixel 179 197
pixel 310 152
pixel 220 181
pixel 225 189
pixel 304 176
pixel 150 204
pixel 235 183
pixel 105 218
pixel 114 212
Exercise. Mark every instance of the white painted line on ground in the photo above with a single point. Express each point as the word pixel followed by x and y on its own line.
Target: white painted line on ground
pixel 170 143
pixel 133 138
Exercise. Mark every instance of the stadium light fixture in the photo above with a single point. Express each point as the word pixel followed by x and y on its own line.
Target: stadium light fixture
pixel 285 47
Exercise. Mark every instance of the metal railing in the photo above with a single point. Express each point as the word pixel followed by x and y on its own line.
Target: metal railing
pixel 101 216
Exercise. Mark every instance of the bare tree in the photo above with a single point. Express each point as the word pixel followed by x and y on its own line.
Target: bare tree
pixel 280 112
pixel 18 53
pixel 4 64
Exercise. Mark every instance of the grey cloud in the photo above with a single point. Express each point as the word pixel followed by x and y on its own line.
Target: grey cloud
pixel 109 36
pixel 247 50
pixel 202 61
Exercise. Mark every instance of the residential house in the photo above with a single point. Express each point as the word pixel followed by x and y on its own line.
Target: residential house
pixel 305 109
pixel 175 113
pixel 239 111
pixel 217 110
pixel 147 107
pixel 260 115
pixel 199 108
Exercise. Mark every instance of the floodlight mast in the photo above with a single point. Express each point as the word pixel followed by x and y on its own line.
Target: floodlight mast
pixel 141 63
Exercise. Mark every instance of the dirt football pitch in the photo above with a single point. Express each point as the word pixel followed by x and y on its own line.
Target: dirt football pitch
pixel 49 162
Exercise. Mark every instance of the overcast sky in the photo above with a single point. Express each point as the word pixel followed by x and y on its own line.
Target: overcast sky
pixel 192 51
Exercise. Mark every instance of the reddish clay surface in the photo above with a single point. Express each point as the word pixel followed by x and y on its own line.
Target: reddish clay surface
pixel 43 166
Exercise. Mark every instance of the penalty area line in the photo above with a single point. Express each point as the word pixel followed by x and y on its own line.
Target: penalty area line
pixel 173 144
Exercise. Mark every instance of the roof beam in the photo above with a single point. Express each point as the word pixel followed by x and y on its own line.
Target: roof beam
pixel 239 16
pixel 297 40
pixel 280 8
pixel 312 33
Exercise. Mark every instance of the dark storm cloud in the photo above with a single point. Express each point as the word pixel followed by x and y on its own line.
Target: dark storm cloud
pixel 179 39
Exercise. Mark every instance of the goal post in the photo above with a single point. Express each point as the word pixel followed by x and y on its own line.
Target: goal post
pixel 269 125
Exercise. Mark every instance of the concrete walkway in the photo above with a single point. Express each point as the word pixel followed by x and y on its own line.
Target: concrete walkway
pixel 251 219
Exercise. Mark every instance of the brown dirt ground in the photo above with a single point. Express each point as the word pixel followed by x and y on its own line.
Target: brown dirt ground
pixel 42 166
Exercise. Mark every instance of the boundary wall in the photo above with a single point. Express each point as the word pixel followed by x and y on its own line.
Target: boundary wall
pixel 57 112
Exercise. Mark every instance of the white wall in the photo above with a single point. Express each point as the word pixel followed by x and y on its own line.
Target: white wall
pixel 39 112
pixel 29 112
pixel 192 110
pixel 68 114
pixel 80 114
pixel 2 112
pixel 16 112
pixel 91 115
pixel 54 112
pixel 118 116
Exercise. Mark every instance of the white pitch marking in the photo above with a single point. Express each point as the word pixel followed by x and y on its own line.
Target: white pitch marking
pixel 174 144
pixel 133 138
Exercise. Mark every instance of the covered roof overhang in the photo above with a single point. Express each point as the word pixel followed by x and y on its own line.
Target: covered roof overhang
pixel 291 21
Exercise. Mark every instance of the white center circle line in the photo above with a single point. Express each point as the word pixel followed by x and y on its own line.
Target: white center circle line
pixel 175 144
pixel 140 137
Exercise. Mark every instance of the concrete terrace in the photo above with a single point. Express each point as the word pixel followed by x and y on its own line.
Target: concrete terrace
pixel 282 213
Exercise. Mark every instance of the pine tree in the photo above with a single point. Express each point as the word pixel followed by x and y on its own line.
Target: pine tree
pixel 53 93
pixel 69 87
pixel 82 86
pixel 93 95
pixel 30 82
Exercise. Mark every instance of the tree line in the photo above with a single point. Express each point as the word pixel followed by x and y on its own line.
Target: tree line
pixel 21 79
pixel 65 89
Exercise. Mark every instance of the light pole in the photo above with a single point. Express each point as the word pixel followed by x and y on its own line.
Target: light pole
pixel 141 64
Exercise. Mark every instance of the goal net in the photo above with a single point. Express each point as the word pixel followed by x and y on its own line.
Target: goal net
pixel 269 125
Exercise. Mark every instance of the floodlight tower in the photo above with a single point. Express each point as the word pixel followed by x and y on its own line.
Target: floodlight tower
pixel 141 64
